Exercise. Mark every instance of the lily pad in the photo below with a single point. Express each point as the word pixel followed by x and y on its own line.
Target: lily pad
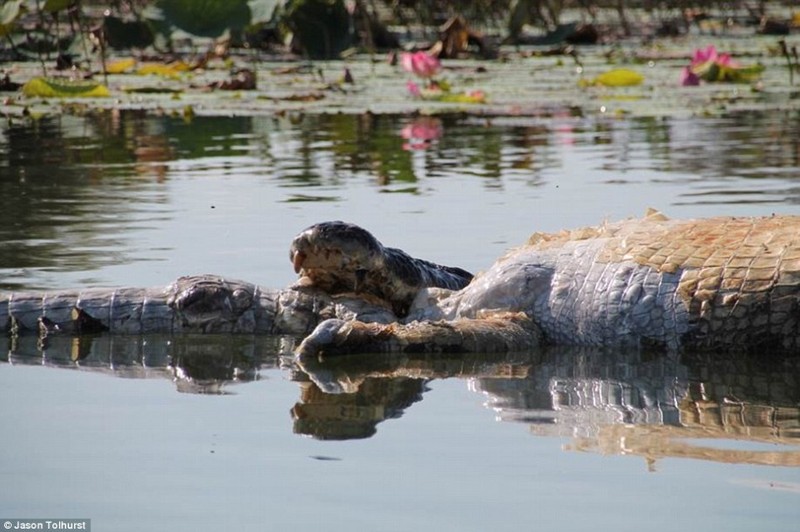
pixel 463 97
pixel 62 88
pixel 168 70
pixel 120 66
pixel 619 77
pixel 713 71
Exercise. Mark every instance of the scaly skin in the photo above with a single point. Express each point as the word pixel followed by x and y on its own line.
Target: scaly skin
pixel 195 304
pixel 339 257
pixel 707 284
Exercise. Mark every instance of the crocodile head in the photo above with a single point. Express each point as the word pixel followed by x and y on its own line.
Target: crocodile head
pixel 335 256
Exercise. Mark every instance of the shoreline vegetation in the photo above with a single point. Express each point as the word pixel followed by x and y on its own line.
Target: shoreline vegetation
pixel 528 58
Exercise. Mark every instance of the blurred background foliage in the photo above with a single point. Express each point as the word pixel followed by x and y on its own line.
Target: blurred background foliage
pixel 74 31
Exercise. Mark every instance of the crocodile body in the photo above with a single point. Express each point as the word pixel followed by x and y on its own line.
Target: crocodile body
pixel 707 284
pixel 367 282
pixel 192 304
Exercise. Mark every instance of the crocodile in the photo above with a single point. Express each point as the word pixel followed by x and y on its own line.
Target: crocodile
pixel 709 284
pixel 724 283
pixel 371 283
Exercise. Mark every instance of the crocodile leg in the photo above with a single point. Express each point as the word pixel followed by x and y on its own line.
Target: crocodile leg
pixel 499 333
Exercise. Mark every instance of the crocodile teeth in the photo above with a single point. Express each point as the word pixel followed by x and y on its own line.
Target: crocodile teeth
pixel 297 260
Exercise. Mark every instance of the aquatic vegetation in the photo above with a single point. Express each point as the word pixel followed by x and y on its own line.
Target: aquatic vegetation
pixel 8 16
pixel 206 18
pixel 167 70
pixel 441 92
pixel 120 66
pixel 421 64
pixel 425 66
pixel 711 66
pixel 62 88
pixel 618 77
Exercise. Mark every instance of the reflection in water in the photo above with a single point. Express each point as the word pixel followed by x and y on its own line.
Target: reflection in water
pixel 69 189
pixel 631 403
pixel 421 132
pixel 720 408
pixel 353 415
pixel 204 364
pixel 74 190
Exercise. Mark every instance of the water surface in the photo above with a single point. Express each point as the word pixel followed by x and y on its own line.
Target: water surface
pixel 201 434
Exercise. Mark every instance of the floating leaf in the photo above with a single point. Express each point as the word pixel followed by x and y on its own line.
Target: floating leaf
pixel 170 70
pixel 118 67
pixel 62 88
pixel 619 77
pixel 463 97
pixel 716 72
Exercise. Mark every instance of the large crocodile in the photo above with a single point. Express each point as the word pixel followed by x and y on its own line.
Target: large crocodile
pixel 722 283
pixel 711 284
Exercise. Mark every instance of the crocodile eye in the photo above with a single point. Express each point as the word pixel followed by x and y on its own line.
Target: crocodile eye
pixel 241 298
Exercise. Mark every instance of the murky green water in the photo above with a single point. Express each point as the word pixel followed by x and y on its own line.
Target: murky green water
pixel 140 437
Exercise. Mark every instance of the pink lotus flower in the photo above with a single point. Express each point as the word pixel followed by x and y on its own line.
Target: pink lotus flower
pixel 710 54
pixel 708 65
pixel 703 55
pixel 689 78
pixel 420 64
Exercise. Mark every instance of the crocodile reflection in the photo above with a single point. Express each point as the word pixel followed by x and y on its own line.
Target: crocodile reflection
pixel 657 406
pixel 348 397
pixel 610 402
pixel 201 364
pixel 712 407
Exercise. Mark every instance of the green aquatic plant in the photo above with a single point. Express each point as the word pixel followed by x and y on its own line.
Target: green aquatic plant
pixel 9 14
pixel 43 87
pixel 618 77
pixel 206 18
pixel 425 66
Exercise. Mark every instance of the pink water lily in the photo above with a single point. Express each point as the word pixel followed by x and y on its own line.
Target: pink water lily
pixel 421 64
pixel 689 78
pixel 703 55
pixel 708 65
pixel 710 54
